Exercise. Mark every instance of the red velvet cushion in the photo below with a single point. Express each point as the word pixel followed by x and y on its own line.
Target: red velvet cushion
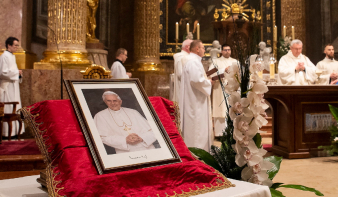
pixel 72 172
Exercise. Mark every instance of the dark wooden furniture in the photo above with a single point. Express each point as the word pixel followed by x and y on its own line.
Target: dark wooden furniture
pixel 290 104
pixel 9 118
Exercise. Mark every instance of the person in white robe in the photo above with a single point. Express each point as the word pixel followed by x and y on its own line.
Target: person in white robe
pixel 10 76
pixel 328 67
pixel 122 128
pixel 118 71
pixel 294 68
pixel 218 104
pixel 178 68
pixel 195 98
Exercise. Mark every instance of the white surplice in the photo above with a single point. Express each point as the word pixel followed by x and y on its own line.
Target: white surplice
pixel 178 72
pixel 287 74
pixel 195 102
pixel 118 71
pixel 218 104
pixel 327 66
pixel 9 88
pixel 115 126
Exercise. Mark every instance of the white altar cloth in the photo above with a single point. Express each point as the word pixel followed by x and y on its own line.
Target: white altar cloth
pixel 28 187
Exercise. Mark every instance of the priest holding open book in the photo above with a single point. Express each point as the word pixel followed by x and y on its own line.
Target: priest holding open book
pixel 218 105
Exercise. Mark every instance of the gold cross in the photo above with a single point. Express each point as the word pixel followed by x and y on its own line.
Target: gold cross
pixel 126 128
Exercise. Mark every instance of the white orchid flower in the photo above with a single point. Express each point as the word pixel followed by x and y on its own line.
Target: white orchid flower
pixel 231 86
pixel 259 87
pixel 248 157
pixel 238 105
pixel 256 67
pixel 335 139
pixel 261 178
pixel 244 126
pixel 249 171
pixel 246 142
pixel 257 103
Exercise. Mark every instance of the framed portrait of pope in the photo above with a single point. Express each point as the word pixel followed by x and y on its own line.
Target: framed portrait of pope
pixel 120 125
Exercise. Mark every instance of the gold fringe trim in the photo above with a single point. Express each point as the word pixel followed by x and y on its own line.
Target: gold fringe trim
pixel 220 185
pixel 177 115
pixel 43 147
pixel 53 190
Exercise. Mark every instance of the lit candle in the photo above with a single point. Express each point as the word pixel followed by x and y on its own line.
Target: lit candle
pixel 272 70
pixel 260 74
pixel 176 30
pixel 284 31
pixel 198 31
pixel 187 28
pixel 275 34
pixel 293 32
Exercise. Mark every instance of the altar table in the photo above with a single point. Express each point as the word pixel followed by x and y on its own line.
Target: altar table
pixel 301 118
pixel 28 187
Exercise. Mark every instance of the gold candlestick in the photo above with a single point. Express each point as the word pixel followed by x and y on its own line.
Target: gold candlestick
pixel 176 46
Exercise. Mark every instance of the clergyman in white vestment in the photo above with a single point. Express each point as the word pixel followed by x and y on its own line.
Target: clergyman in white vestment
pixel 218 104
pixel 122 128
pixel 9 82
pixel 328 66
pixel 178 68
pixel 294 68
pixel 195 99
pixel 118 71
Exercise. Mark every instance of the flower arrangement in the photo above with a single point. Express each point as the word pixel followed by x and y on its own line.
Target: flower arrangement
pixel 241 154
pixel 284 46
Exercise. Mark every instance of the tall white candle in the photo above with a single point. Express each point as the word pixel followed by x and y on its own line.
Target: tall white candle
pixel 187 28
pixel 198 31
pixel 293 32
pixel 275 34
pixel 176 30
pixel 284 31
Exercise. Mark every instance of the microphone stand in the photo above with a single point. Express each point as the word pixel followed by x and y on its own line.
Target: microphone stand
pixel 58 51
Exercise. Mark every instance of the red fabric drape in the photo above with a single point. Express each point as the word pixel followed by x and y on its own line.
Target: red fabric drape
pixel 74 171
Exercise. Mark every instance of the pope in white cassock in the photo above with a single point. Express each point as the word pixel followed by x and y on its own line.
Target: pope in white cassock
pixel 178 57
pixel 218 105
pixel 9 82
pixel 195 99
pixel 122 128
pixel 328 66
pixel 294 68
pixel 118 71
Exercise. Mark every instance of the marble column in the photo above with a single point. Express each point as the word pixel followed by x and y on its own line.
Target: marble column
pixel 147 35
pixel 148 68
pixel 66 38
pixel 16 21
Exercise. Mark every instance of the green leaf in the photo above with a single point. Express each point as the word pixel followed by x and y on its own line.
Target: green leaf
pixel 276 185
pixel 274 170
pixel 304 188
pixel 275 193
pixel 334 111
pixel 206 157
pixel 258 140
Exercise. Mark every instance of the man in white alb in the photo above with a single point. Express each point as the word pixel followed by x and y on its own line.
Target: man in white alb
pixel 328 66
pixel 195 99
pixel 178 68
pixel 122 128
pixel 294 68
pixel 10 76
pixel 118 71
pixel 218 104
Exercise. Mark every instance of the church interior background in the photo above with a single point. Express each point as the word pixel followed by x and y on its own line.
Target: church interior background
pixel 146 29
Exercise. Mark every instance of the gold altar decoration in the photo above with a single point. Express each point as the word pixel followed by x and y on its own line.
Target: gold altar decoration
pixel 96 72
pixel 236 7
pixel 66 39
pixel 147 35
pixel 92 6
pixel 293 14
